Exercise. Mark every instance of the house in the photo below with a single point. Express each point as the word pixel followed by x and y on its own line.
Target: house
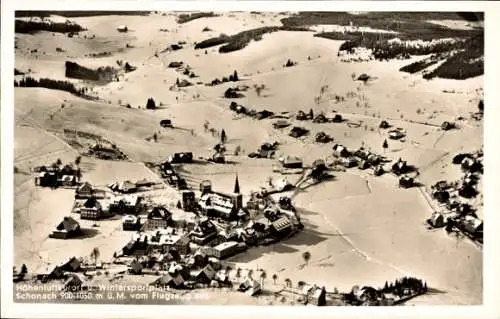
pixel 291 162
pixel 72 264
pixel 436 220
pixel 373 159
pixel 122 28
pixel 320 118
pixel 226 249
pixel 49 273
pixel 250 286
pixel 298 131
pixel 301 116
pixel 200 259
pixel 459 158
pixel 337 118
pixel 384 125
pixel 205 275
pixel 47 179
pixel 144 183
pixel 68 228
pixel 166 123
pixel 123 187
pixel 222 276
pixel 279 124
pixel 367 293
pixel 205 186
pixel 363 164
pixel 406 182
pixel 135 267
pixel 340 150
pixel 467 191
pixel 203 232
pixel 129 204
pixel 167 242
pixel 130 222
pixel 400 167
pixel 349 162
pixel 218 204
pixel 158 217
pixel 182 157
pixel 84 191
pixel 472 225
pixel 378 170
pixel 175 282
pixel 74 283
pixel 91 209
pixel 314 295
pixel 396 134
pixel 362 153
pixel 281 227
pixel 175 268
pixel 188 201
pixel 68 180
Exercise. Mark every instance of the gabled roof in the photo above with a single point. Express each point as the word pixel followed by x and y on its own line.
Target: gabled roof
pixel 85 187
pixel 163 280
pixel 208 271
pixel 92 203
pixel 159 212
pixel 68 224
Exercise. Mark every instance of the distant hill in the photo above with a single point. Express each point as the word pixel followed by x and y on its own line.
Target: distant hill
pixel 74 14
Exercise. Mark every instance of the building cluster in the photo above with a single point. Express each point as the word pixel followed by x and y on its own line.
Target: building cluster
pixel 186 243
pixel 457 212
pixel 222 227
pixel 365 159
pixel 392 293
pixel 57 175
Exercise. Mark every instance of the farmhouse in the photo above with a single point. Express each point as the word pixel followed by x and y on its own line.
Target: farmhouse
pixel 166 242
pixel 158 217
pixel 281 227
pixel 204 275
pixel 122 28
pixel 126 204
pixel 169 281
pixel 67 180
pixel 340 150
pixel 68 228
pixel 226 249
pixel 203 232
pixel 436 220
pixel 291 162
pixel 250 286
pixel 314 295
pixel 350 161
pixel 123 187
pixel 400 167
pixel 93 209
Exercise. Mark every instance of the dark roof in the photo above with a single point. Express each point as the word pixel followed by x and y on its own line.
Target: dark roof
pixel 68 224
pixel 159 212
pixel 91 202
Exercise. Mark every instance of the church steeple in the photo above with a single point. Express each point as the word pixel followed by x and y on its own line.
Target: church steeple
pixel 236 185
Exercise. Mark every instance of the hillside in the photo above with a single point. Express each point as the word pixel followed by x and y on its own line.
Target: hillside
pixel 359 229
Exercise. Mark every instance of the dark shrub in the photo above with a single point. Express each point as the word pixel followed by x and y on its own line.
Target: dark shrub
pixel 183 18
